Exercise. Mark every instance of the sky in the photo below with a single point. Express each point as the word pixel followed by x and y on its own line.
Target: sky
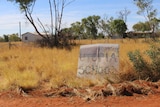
pixel 11 17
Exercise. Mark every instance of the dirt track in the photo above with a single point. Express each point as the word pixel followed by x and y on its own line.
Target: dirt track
pixel 139 101
pixel 41 98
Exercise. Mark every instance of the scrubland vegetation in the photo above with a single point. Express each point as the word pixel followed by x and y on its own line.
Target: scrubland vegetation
pixel 32 67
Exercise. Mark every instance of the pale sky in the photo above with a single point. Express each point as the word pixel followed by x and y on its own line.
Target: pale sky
pixel 10 15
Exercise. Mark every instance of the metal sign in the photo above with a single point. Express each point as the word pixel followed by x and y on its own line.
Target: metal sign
pixel 98 59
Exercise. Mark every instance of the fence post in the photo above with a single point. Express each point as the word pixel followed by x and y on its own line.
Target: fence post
pixel 9 45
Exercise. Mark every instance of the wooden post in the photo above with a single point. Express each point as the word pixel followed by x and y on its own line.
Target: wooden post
pixel 9 45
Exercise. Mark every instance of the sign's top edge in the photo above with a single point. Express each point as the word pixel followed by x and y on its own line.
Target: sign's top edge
pixel 106 45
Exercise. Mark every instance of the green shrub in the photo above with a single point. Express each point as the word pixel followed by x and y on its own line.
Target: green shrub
pixel 144 68
pixel 154 54
pixel 138 61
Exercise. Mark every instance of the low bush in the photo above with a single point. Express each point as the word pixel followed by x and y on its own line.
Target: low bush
pixel 147 69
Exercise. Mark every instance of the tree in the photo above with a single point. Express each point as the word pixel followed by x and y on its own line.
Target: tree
pixel 77 29
pixel 156 24
pixel 140 26
pixel 6 38
pixel 59 6
pixel 119 27
pixel 1 39
pixel 146 9
pixel 123 14
pixel 91 25
pixel 14 37
pixel 51 39
pixel 105 26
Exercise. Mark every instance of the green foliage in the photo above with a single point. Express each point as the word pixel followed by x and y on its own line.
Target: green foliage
pixel 1 39
pixel 6 38
pixel 10 37
pixel 77 28
pixel 91 25
pixel 119 26
pixel 23 4
pixel 14 37
pixel 146 9
pixel 105 26
pixel 87 28
pixel 138 62
pixel 147 69
pixel 154 54
pixel 140 26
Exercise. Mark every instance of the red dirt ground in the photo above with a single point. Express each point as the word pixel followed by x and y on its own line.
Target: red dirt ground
pixel 43 98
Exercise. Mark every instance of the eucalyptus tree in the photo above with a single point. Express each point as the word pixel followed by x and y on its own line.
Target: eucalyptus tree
pixel 141 26
pixel 90 25
pixel 123 14
pixel 105 26
pixel 56 6
pixel 77 29
pixel 119 27
pixel 146 9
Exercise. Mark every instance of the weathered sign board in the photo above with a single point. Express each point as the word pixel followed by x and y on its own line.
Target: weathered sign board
pixel 98 59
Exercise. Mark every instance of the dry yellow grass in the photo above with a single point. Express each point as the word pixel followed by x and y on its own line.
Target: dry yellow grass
pixel 31 67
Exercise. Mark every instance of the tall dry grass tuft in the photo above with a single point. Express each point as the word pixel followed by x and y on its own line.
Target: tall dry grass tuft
pixel 32 67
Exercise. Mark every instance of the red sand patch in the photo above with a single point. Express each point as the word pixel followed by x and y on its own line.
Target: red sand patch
pixel 65 98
